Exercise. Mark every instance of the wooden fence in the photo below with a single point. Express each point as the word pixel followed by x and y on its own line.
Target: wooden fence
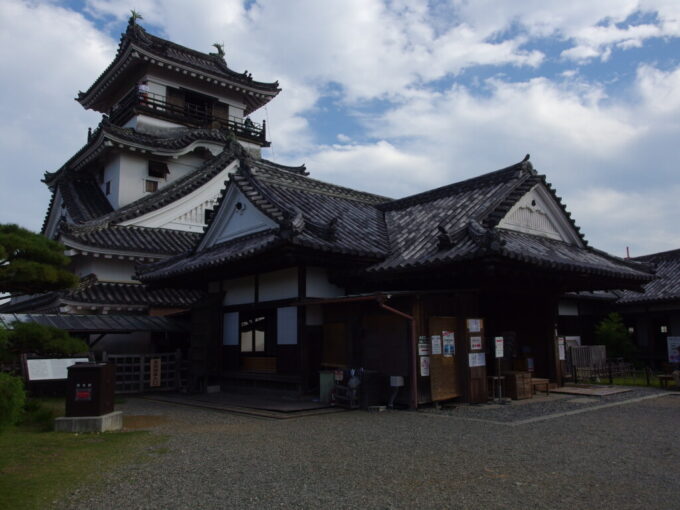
pixel 135 372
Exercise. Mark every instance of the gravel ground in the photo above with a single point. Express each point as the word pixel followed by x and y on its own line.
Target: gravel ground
pixel 624 457
pixel 539 406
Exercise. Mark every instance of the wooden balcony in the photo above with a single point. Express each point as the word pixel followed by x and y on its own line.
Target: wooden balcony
pixel 187 114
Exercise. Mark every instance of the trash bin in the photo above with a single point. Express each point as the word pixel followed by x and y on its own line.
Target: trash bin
pixel 90 389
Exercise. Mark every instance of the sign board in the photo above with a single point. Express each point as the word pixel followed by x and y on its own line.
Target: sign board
pixel 499 346
pixel 673 349
pixel 475 343
pixel 562 349
pixel 51 369
pixel 425 366
pixel 436 345
pixel 477 359
pixel 449 339
pixel 155 372
pixel 474 325
pixel 423 346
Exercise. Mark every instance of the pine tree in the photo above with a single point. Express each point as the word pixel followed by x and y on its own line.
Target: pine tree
pixel 31 263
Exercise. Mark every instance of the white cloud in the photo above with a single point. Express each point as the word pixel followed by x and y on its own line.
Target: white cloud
pixel 47 54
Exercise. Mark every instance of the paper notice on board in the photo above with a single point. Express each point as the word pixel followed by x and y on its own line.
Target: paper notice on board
pixel 499 346
pixel 423 349
pixel 449 343
pixel 561 349
pixel 436 345
pixel 474 325
pixel 475 343
pixel 477 359
pixel 425 366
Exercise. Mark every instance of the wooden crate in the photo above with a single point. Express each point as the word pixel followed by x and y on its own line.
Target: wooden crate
pixel 518 385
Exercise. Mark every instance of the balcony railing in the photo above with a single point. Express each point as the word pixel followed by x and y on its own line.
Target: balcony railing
pixel 188 114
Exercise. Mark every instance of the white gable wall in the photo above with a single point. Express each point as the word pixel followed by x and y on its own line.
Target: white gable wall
pixel 236 217
pixel 538 214
pixel 188 212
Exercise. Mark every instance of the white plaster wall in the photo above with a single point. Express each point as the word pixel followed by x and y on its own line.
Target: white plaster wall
pixel 109 270
pixel 286 326
pixel 239 291
pixel 112 174
pixel 318 286
pixel 133 171
pixel 186 213
pixel 568 308
pixel 281 284
pixel 233 221
pixel 140 122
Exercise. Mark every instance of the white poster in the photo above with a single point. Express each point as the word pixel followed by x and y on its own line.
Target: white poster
pixel 475 343
pixel 474 325
pixel 561 348
pixel 425 366
pixel 477 359
pixel 449 343
pixel 436 345
pixel 423 349
pixel 673 349
pixel 499 346
pixel 51 369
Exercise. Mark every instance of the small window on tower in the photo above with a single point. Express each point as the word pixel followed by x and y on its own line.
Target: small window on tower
pixel 150 186
pixel 107 188
pixel 158 169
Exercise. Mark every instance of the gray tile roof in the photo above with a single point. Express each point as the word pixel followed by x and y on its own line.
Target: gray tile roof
pixel 156 241
pixel 666 285
pixel 131 295
pixel 167 140
pixel 453 223
pixel 211 64
pixel 99 323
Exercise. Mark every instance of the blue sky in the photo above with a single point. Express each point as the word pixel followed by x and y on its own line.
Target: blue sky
pixel 392 97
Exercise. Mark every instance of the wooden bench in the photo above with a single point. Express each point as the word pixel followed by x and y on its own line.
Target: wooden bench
pixel 664 379
pixel 537 381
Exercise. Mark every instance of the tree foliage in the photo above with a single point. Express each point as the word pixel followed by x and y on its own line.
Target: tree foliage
pixel 28 337
pixel 612 333
pixel 31 263
pixel 12 400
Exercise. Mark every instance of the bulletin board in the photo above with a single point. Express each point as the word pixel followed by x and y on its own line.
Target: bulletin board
pixel 444 375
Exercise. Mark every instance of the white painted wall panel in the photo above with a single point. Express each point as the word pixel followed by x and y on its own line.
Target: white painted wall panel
pixel 239 291
pixel 568 308
pixel 230 329
pixel 286 325
pixel 318 285
pixel 281 284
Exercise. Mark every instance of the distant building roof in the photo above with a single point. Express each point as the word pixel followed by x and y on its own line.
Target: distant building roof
pixel 666 285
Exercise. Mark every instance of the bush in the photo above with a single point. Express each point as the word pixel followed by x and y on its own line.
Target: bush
pixel 612 333
pixel 12 400
pixel 38 416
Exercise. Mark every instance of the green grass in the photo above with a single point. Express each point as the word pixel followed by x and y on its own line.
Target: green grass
pixel 638 380
pixel 38 467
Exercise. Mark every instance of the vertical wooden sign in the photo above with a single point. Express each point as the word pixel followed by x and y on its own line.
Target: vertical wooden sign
pixel 155 372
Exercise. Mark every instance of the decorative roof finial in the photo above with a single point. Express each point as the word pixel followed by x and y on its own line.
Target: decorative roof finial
pixel 134 16
pixel 220 49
